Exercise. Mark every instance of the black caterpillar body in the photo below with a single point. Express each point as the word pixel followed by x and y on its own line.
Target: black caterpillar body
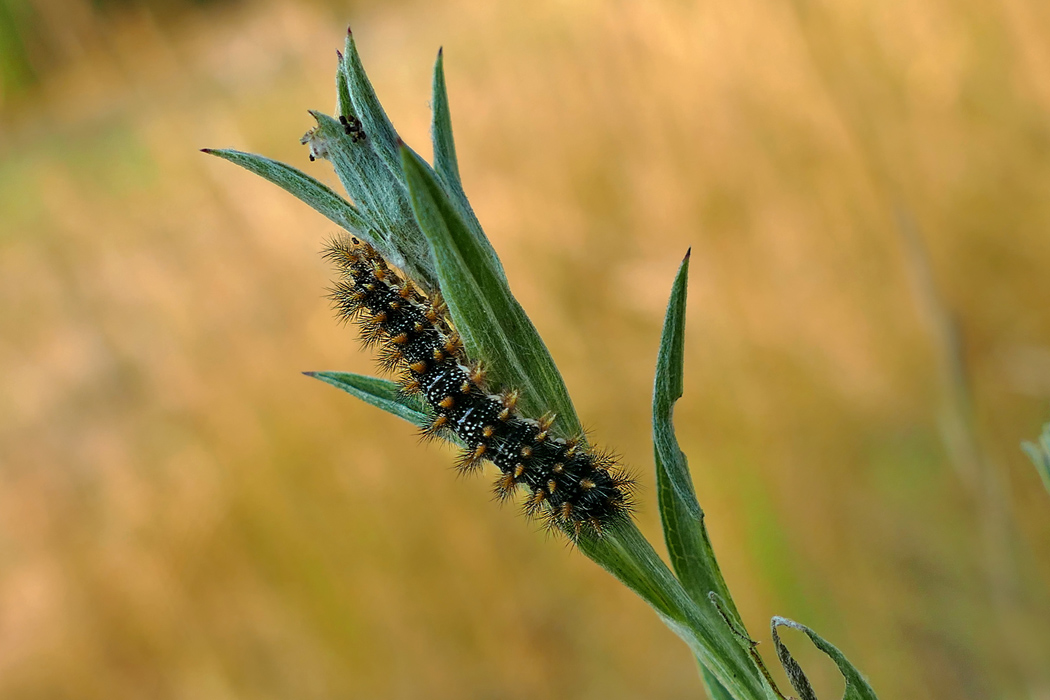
pixel 569 485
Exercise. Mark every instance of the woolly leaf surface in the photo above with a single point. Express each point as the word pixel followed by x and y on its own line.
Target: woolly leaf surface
pixel 857 687
pixel 305 188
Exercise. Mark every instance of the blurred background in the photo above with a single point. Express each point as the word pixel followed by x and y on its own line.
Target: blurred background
pixel 866 189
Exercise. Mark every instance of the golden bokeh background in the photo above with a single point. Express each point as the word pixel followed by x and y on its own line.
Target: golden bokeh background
pixel 865 185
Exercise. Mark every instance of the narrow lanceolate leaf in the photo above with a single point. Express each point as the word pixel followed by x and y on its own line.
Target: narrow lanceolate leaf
pixel 367 107
pixel 381 393
pixel 493 325
pixel 445 162
pixel 344 104
pixel 857 687
pixel 384 394
pixel 691 553
pixel 1039 453
pixel 447 167
pixel 672 468
pixel 316 194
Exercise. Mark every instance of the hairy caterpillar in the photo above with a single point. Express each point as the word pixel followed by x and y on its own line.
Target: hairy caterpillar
pixel 570 486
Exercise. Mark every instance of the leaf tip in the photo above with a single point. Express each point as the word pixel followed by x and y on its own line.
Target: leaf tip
pixel 310 374
pixel 441 51
pixel 688 253
pixel 209 151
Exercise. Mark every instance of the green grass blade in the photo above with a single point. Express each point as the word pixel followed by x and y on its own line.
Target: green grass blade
pixel 318 195
pixel 1039 453
pixel 494 327
pixel 857 687
pixel 692 556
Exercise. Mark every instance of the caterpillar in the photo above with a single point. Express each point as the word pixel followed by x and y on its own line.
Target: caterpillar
pixel 570 486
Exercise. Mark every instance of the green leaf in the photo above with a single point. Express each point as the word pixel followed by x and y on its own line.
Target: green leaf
pixel 624 552
pixel 344 104
pixel 445 162
pixel 857 687
pixel 381 393
pixel 370 170
pixel 692 555
pixel 494 327
pixel 446 165
pixel 383 140
pixel 318 195
pixel 672 467
pixel 1039 453
pixel 715 690
pixel 420 220
pixel 496 330
pixel 384 394
pixel 367 107
pixel 690 548
pixel 380 194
